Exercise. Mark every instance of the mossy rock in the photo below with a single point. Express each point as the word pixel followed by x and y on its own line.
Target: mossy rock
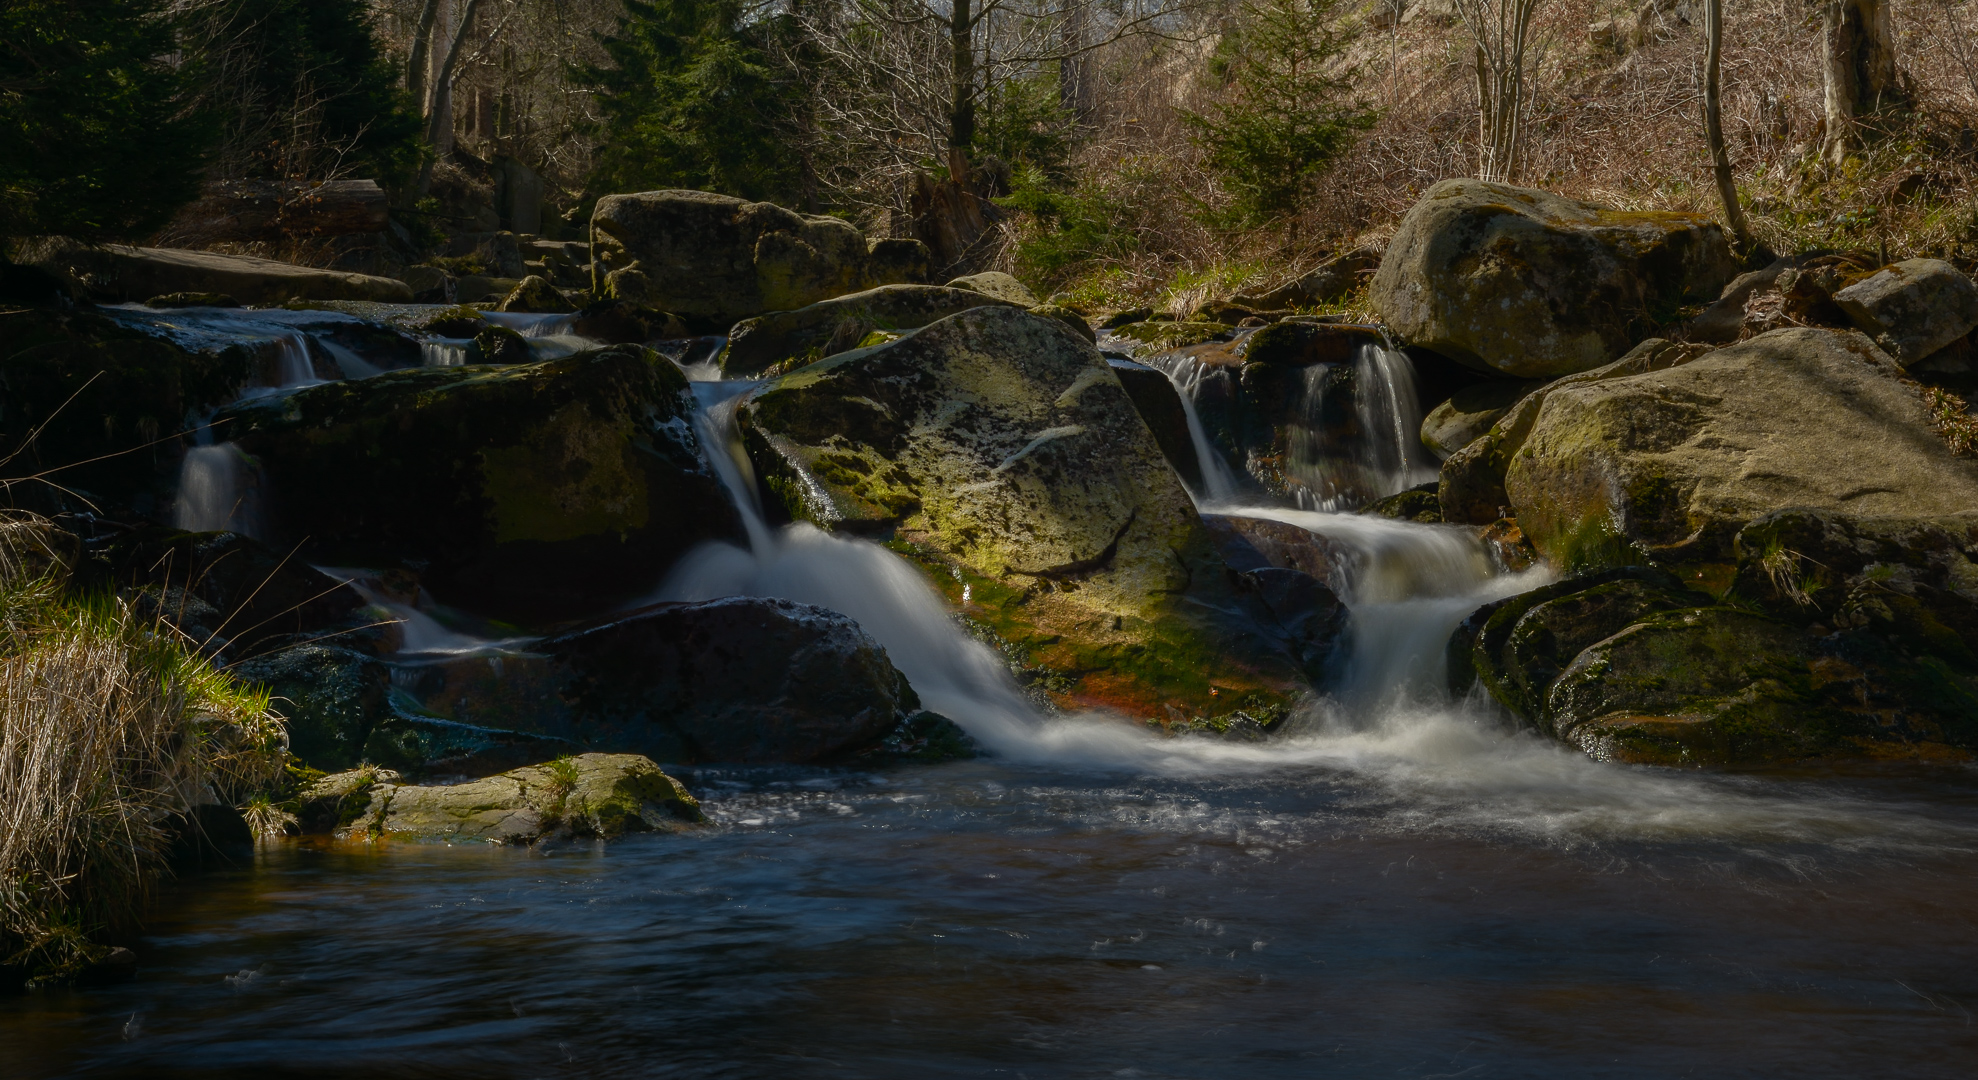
pixel 769 343
pixel 458 321
pixel 1298 343
pixel 330 698
pixel 499 345
pixel 1420 505
pixel 102 402
pixel 999 450
pixel 532 493
pixel 535 294
pixel 1171 335
pixel 1534 285
pixel 589 795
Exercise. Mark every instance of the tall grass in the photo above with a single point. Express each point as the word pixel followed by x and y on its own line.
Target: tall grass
pixel 111 731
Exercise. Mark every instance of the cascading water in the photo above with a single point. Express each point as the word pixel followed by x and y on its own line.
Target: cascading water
pixel 1187 374
pixel 1344 458
pixel 214 493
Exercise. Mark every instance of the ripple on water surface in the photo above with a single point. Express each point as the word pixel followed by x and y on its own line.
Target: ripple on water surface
pixel 1351 913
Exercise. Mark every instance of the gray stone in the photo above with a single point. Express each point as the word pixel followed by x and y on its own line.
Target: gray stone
pixel 778 339
pixel 590 795
pixel 1913 308
pixel 1537 286
pixel 995 283
pixel 1471 412
pixel 116 272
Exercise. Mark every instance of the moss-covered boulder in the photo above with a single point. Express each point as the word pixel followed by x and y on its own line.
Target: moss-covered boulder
pixel 998 285
pixel 327 696
pixel 101 402
pixel 714 259
pixel 1669 465
pixel 778 340
pixel 1472 481
pixel 1470 413
pixel 532 493
pixel 536 294
pixel 999 449
pixel 622 322
pixel 590 795
pixel 1535 285
pixel 739 679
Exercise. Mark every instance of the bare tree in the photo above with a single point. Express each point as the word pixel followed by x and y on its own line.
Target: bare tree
pixel 1858 58
pixel 1713 123
pixel 1502 32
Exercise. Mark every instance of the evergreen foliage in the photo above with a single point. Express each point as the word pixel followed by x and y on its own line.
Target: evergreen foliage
pixel 1292 112
pixel 691 99
pixel 304 89
pixel 97 139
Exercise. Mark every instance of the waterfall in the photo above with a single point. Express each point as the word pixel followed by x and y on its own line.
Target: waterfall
pixel 215 493
pixel 1187 374
pixel 444 352
pixel 1344 458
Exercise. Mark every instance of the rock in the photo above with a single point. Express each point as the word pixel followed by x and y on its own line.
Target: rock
pixel 621 322
pixel 1126 318
pixel 1070 317
pixel 997 285
pixel 776 341
pixel 592 795
pixel 899 260
pixel 536 294
pixel 1296 343
pixel 1159 335
pixel 192 299
pixel 499 345
pixel 327 696
pixel 483 288
pixel 417 745
pixel 118 272
pixel 1537 286
pixel 1332 279
pixel 1159 404
pixel 252 592
pixel 1250 543
pixel 496 254
pixel 458 321
pixel 1472 482
pixel 1670 464
pixel 332 803
pixel 1913 308
pixel 1418 504
pixel 532 493
pixel 429 284
pixel 1470 413
pixel 714 259
pixel 1003 452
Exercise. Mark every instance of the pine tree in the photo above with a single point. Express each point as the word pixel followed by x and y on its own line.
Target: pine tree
pixel 1291 111
pixel 691 99
pixel 97 138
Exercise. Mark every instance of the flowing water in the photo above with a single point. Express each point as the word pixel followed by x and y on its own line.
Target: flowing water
pixel 1404 885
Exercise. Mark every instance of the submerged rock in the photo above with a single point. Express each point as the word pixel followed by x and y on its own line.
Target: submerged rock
pixel 531 493
pixel 1913 308
pixel 1002 451
pixel 115 272
pixel 739 679
pixel 1535 285
pixel 1672 463
pixel 590 795
pixel 716 259
pixel 770 342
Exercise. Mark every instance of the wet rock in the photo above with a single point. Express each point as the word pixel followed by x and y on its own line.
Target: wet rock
pixel 1295 343
pixel 784 339
pixel 621 322
pixel 713 259
pixel 192 299
pixel 232 592
pixel 1159 404
pixel 1470 413
pixel 1671 464
pixel 1305 607
pixel 498 345
pixel 590 795
pixel 536 294
pixel 428 745
pixel 1002 449
pixel 117 272
pixel 458 321
pixel 531 494
pixel 1537 286
pixel 1333 279
pixel 1591 606
pixel 332 803
pixel 1913 308
pixel 1472 481
pixel 924 738
pixel 328 697
pixel 998 285
pixel 1418 504
pixel 1248 543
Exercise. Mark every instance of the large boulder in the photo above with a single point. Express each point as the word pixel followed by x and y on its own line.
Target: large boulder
pixel 999 449
pixel 590 795
pixel 767 342
pixel 998 285
pixel 1535 285
pixel 714 259
pixel 1671 464
pixel 117 272
pixel 1159 403
pixel 1912 308
pixel 738 679
pixel 532 493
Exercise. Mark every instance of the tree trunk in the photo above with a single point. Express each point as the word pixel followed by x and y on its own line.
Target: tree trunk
pixel 961 113
pixel 1713 124
pixel 1074 91
pixel 439 112
pixel 422 50
pixel 1858 58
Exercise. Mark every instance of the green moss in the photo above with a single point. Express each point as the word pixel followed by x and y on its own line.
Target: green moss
pixel 1172 335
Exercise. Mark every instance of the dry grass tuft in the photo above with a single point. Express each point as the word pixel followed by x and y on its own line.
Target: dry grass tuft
pixel 109 730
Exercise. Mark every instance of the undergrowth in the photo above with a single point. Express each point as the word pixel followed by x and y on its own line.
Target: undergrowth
pixel 111 732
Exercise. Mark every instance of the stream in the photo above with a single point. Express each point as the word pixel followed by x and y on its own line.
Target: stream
pixel 1402 884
